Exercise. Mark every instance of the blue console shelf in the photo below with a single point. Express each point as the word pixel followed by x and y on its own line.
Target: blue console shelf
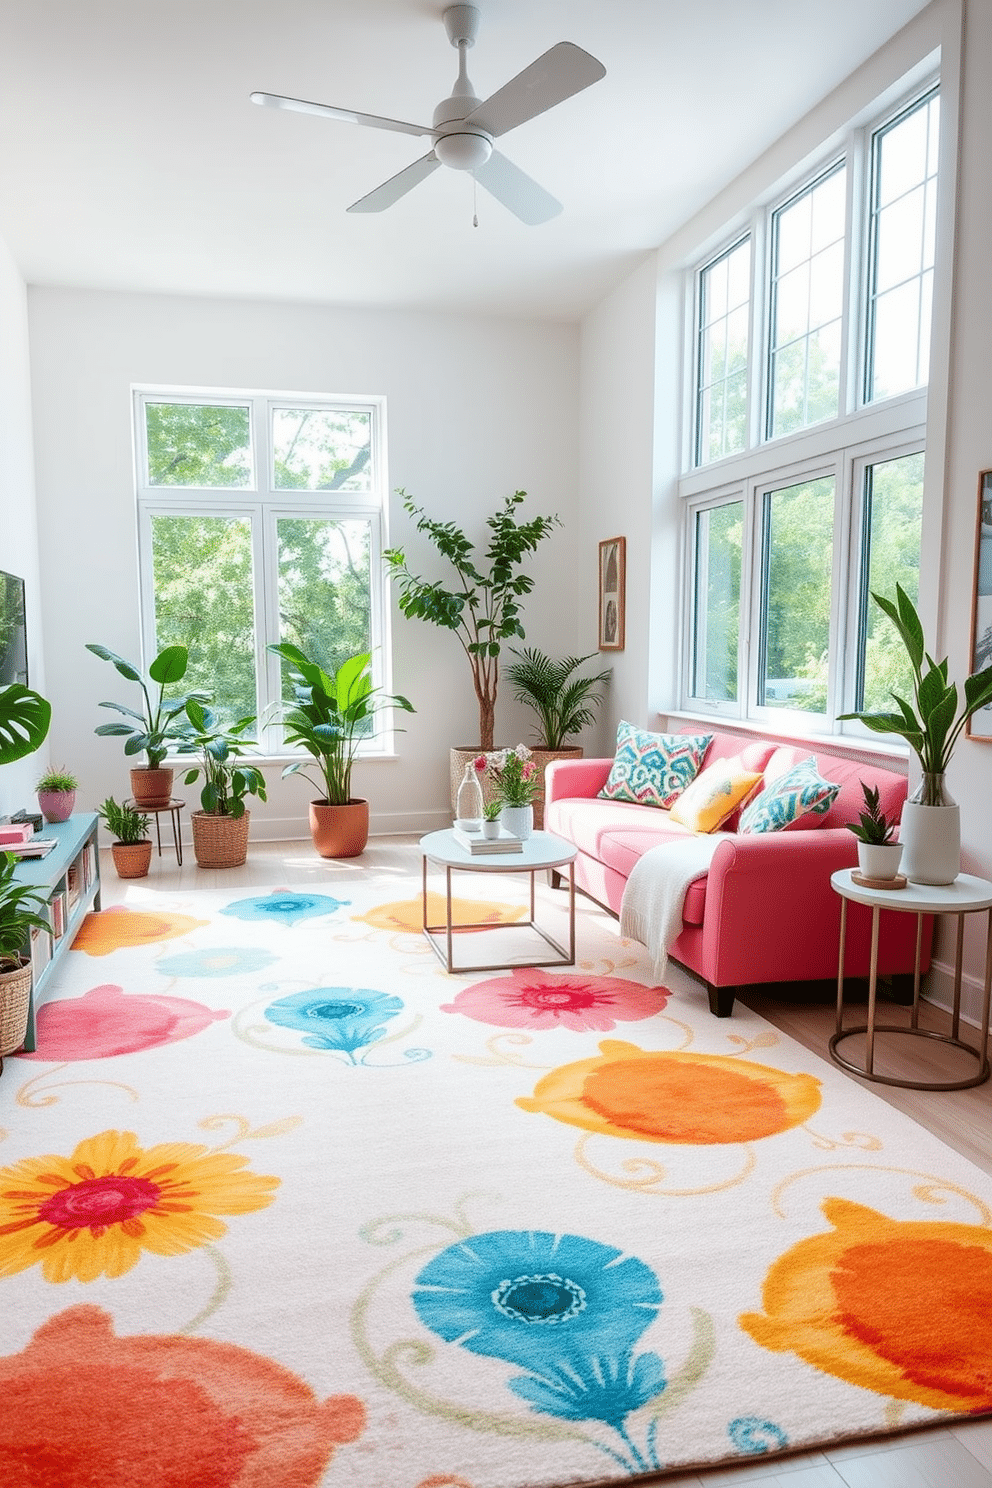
pixel 68 879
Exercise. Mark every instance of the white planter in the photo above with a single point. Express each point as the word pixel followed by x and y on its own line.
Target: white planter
pixel 492 828
pixel 879 859
pixel 518 820
pixel 931 843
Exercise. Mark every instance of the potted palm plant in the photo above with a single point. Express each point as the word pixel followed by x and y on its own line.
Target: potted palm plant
pixel 220 827
pixel 132 847
pixel 482 607
pixel 155 726
pixel 329 717
pixel 19 905
pixel 931 725
pixel 563 703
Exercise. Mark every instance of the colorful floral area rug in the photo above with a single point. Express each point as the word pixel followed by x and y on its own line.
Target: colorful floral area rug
pixel 283 1204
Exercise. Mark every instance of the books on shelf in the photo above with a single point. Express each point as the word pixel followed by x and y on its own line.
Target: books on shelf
pixel 38 847
pixel 479 846
pixel 60 913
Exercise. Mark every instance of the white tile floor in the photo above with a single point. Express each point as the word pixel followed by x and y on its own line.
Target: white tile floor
pixel 957 1456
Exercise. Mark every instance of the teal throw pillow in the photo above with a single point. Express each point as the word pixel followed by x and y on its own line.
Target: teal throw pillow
pixel 653 769
pixel 800 792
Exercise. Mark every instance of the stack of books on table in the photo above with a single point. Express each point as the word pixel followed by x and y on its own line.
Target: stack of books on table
pixel 477 845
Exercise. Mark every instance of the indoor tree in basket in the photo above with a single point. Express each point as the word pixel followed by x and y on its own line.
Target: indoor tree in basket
pixel 931 725
pixel 329 718
pixel 483 606
pixel 19 905
pixel 220 827
pixel 155 726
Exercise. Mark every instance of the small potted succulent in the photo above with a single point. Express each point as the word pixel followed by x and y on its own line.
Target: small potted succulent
pixel 491 825
pixel 57 794
pixel 878 853
pixel 132 850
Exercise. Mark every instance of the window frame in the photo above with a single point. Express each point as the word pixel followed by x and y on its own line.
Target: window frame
pixel 263 504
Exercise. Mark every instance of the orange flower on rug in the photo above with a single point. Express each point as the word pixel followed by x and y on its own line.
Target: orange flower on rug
pixel 697 1099
pixel 899 1307
pixel 117 927
pixel 92 1214
pixel 79 1405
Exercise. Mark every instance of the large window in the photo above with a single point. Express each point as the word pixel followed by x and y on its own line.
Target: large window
pixel 817 317
pixel 260 520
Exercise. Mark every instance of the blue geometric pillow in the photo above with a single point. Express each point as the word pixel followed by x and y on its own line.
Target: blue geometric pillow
pixel 799 792
pixel 653 769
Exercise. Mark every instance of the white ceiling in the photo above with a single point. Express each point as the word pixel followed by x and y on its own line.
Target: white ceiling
pixel 131 158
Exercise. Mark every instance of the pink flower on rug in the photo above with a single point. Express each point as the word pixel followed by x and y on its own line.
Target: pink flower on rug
pixel 80 1405
pixel 107 1021
pixel 534 999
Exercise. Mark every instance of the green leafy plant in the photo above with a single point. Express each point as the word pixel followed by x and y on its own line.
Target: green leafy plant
pixel 156 722
pixel 25 718
pixel 330 716
pixel 484 608
pixel 491 809
pixel 18 915
pixel 516 778
pixel 226 780
pixel 932 723
pixel 123 822
pixel 873 826
pixel 57 780
pixel 564 704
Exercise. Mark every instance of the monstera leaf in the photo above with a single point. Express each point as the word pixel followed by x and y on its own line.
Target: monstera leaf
pixel 24 720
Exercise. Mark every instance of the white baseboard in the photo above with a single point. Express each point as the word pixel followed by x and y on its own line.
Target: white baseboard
pixel 938 988
pixel 295 829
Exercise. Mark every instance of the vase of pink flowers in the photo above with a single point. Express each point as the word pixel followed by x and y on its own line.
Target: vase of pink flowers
pixel 514 780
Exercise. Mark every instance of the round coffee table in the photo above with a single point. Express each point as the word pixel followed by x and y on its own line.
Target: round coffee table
pixel 539 851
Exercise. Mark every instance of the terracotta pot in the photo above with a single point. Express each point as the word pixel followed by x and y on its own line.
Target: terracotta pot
pixel 219 841
pixel 132 859
pixel 15 998
pixel 56 806
pixel 151 787
pixel 339 831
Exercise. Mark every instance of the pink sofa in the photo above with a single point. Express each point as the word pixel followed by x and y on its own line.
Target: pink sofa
pixel 765 912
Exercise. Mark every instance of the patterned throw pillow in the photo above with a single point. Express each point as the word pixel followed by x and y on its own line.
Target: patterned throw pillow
pixel 714 795
pixel 800 792
pixel 653 769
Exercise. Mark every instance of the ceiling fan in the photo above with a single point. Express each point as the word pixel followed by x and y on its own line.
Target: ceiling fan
pixel 464 127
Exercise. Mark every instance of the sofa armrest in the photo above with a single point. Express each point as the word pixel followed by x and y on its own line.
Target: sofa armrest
pixel 575 777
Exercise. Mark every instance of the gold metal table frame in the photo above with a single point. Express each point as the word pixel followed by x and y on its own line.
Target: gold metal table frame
pixel 966 895
pixel 541 851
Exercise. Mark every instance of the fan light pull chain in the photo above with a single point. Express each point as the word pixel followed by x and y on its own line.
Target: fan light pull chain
pixel 475 201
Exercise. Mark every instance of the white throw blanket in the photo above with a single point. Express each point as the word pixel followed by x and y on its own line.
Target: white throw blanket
pixel 651 907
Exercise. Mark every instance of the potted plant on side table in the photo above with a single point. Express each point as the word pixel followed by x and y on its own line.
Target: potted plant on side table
pixel 56 792
pixel 329 717
pixel 155 726
pixel 878 853
pixel 931 725
pixel 564 705
pixel 132 848
pixel 19 905
pixel 220 828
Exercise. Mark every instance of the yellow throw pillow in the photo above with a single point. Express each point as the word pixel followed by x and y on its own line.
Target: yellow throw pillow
pixel 714 795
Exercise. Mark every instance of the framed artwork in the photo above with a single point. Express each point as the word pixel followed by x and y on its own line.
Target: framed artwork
pixel 612 584
pixel 980 723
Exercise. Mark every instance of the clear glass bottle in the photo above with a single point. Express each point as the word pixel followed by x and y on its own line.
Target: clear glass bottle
pixel 468 802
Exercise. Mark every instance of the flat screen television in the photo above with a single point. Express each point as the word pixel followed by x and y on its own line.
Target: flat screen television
pixel 13 631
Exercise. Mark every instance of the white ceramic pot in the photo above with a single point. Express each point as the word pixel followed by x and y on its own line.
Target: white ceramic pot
pixel 492 828
pixel 931 843
pixel 518 820
pixel 879 859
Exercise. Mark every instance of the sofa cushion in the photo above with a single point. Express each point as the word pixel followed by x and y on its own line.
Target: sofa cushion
pixel 790 799
pixel 653 769
pixel 715 795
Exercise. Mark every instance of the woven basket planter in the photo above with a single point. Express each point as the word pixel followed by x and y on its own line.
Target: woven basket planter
pixel 15 999
pixel 219 841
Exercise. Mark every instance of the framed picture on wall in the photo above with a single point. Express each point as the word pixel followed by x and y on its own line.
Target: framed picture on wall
pixel 980 723
pixel 612 584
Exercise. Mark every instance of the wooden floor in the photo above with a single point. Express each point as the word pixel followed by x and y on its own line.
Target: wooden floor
pixel 958 1456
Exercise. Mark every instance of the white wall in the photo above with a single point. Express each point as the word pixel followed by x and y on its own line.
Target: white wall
pixel 476 409
pixel 18 540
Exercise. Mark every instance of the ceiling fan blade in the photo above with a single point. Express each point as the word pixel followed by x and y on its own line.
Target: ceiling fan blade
pixel 518 193
pixel 328 111
pixel 390 191
pixel 561 72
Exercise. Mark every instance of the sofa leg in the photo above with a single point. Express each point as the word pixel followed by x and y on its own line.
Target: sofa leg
pixel 721 1000
pixel 555 878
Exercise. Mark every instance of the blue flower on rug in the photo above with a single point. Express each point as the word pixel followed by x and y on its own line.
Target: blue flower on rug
pixel 217 961
pixel 285 906
pixel 339 1018
pixel 755 1436
pixel 566 1308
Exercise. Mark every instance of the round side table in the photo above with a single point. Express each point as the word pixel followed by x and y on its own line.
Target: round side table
pixel 173 808
pixel 966 895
